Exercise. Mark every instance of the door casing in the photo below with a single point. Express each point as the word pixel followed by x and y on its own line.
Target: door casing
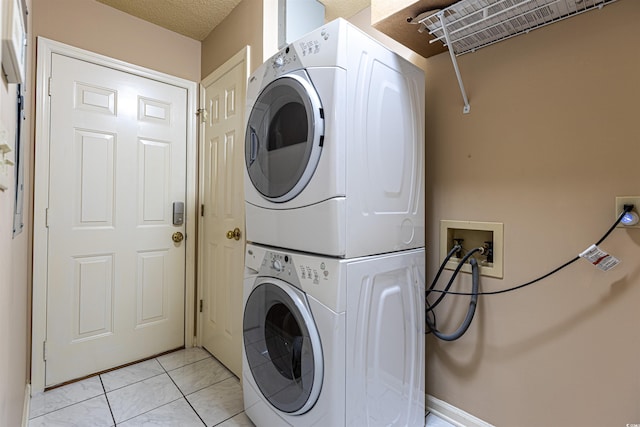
pixel 46 48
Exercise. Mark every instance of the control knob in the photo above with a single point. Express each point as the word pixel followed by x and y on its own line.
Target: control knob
pixel 277 265
pixel 278 62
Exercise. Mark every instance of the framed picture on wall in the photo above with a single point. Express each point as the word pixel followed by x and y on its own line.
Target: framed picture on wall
pixel 14 40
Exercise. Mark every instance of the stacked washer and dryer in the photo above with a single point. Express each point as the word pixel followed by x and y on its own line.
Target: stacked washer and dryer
pixel 333 320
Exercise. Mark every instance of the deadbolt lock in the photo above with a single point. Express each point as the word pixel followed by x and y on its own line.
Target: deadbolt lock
pixel 177 237
pixel 235 234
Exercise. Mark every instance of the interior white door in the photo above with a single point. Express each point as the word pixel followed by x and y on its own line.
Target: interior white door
pixel 116 279
pixel 222 250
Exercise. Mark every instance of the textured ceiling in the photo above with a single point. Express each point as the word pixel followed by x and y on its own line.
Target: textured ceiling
pixel 196 18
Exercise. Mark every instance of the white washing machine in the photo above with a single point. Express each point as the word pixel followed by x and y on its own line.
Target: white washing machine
pixel 334 147
pixel 333 342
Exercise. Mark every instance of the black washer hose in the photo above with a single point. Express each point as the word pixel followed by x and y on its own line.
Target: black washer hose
pixel 453 276
pixel 475 275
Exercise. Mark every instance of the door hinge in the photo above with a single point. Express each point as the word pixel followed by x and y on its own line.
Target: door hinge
pixel 49 88
pixel 203 114
pixel 201 210
pixel 200 306
pixel 44 351
pixel 46 217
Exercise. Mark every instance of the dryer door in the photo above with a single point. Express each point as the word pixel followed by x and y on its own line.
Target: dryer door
pixel 282 346
pixel 284 137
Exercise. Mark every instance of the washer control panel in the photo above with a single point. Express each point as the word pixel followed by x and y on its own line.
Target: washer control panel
pixel 305 270
pixel 277 264
pixel 317 276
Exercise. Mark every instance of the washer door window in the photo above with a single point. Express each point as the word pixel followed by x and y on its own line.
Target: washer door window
pixel 282 346
pixel 284 136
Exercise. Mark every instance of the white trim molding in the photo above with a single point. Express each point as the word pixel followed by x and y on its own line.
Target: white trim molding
pixel 453 415
pixel 26 405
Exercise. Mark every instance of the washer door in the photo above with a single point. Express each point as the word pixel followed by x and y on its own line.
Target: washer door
pixel 282 346
pixel 284 137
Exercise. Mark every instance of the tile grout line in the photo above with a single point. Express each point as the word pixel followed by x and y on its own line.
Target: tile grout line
pixel 65 406
pixel 210 356
pixel 227 419
pixel 104 390
pixel 231 374
pixel 137 382
pixel 225 379
pixel 183 395
pixel 144 379
pixel 165 371
pixel 146 412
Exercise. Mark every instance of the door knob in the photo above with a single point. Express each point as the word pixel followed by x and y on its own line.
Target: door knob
pixel 177 237
pixel 235 234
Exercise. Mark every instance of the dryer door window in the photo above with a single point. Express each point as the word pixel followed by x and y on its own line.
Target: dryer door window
pixel 282 346
pixel 284 137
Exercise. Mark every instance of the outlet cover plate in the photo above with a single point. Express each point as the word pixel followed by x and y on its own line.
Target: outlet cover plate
pixel 625 200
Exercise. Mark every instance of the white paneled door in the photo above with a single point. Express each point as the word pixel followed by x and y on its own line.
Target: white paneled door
pixel 222 221
pixel 117 160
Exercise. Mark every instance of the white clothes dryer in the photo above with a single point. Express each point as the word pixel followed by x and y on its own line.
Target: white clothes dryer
pixel 334 147
pixel 333 342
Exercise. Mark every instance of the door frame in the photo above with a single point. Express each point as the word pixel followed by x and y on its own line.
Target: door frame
pixel 242 55
pixel 46 48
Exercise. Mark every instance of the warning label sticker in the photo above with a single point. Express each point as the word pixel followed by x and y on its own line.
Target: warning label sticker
pixel 600 258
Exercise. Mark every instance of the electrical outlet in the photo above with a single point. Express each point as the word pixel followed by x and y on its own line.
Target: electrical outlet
pixel 473 234
pixel 627 200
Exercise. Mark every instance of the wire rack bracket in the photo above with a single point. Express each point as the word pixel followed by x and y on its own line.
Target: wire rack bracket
pixel 469 25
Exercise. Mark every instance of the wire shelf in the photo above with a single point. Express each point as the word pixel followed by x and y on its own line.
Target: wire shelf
pixel 469 25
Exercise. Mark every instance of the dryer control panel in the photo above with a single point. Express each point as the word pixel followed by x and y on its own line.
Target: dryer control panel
pixel 287 59
pixel 319 48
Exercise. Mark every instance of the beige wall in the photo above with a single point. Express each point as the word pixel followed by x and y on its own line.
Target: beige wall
pixel 242 27
pixel 96 27
pixel 551 139
pixel 14 274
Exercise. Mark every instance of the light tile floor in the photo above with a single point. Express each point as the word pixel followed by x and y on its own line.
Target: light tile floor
pixel 185 388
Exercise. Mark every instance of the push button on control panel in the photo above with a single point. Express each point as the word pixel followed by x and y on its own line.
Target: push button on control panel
pixel 312 273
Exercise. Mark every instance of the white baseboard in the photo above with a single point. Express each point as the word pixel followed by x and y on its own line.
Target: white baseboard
pixel 453 415
pixel 26 405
